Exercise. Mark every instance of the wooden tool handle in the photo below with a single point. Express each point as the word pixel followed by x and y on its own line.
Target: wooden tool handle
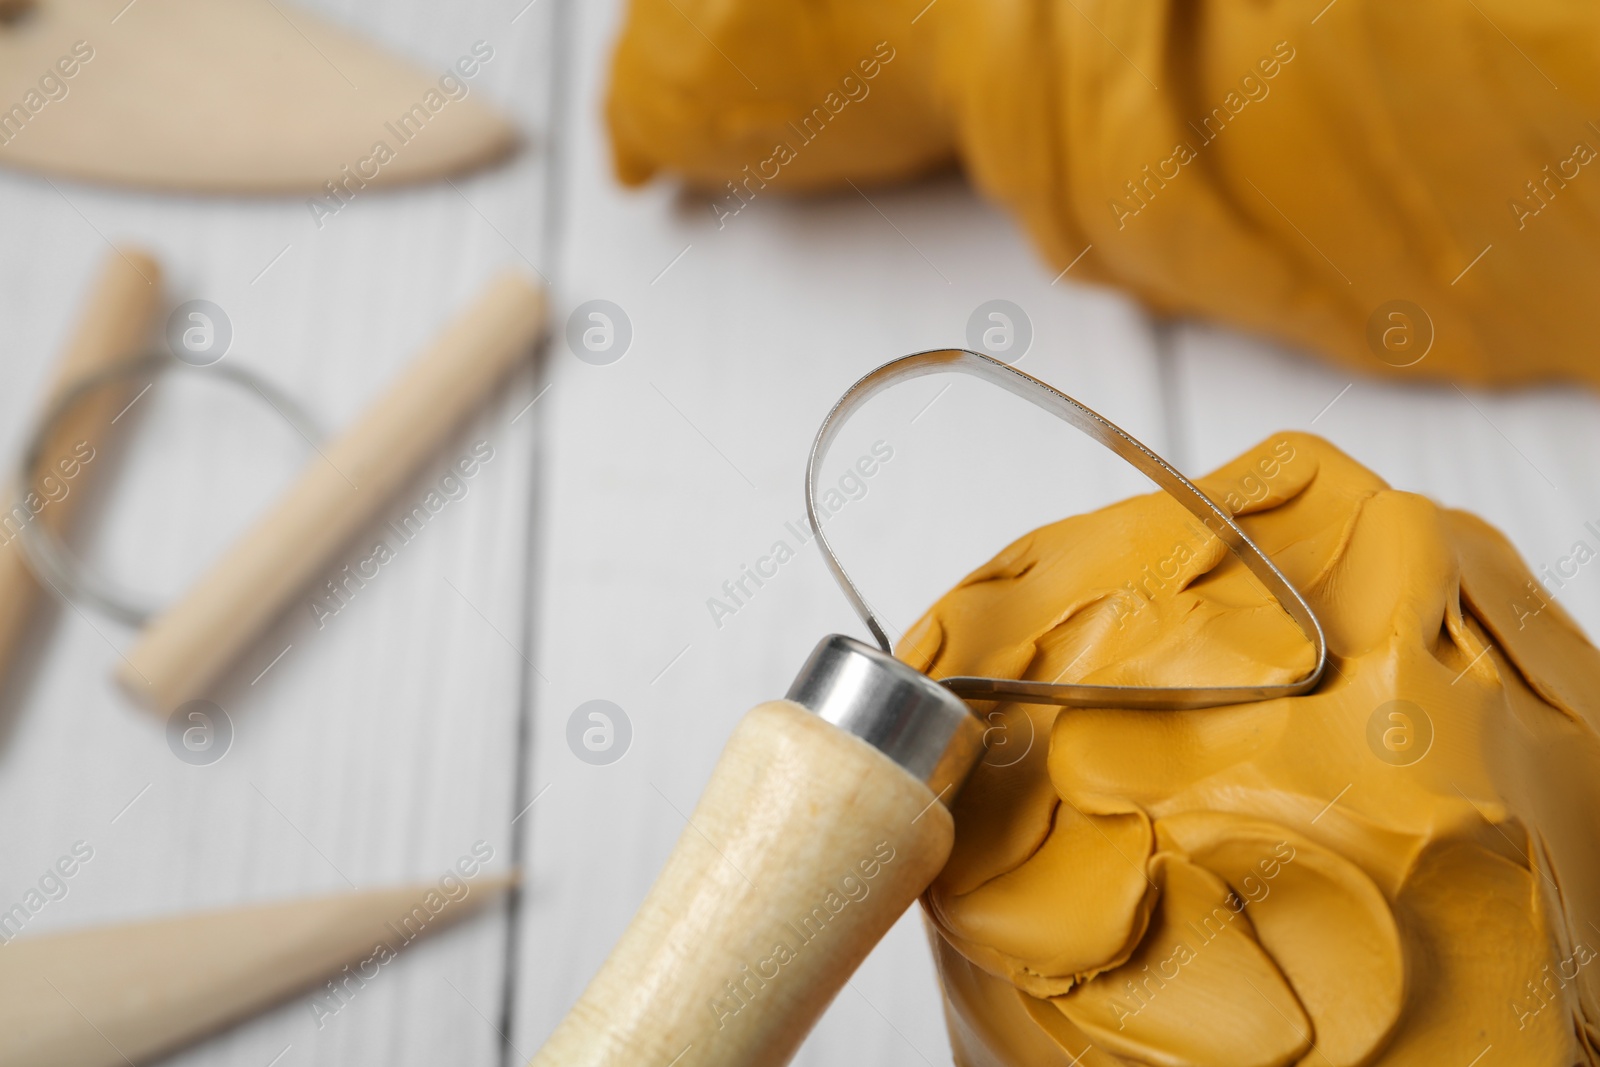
pixel 115 326
pixel 189 646
pixel 806 847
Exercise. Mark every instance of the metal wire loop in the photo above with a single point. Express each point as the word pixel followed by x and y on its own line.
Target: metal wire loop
pixel 48 556
pixel 1215 519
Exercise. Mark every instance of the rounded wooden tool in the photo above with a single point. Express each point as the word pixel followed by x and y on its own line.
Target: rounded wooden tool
pixel 188 647
pixel 116 322
pixel 821 824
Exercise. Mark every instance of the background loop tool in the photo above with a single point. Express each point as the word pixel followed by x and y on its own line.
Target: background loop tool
pixel 47 553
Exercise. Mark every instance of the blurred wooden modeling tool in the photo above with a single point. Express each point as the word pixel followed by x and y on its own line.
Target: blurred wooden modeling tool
pixel 232 96
pixel 115 326
pixel 187 648
pixel 114 995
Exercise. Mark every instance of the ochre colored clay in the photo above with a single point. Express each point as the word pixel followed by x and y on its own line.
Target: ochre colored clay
pixel 1400 868
pixel 1292 168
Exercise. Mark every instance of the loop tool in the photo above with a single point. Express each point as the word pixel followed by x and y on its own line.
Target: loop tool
pixel 828 812
pixel 46 552
pixel 185 649
pixel 1104 432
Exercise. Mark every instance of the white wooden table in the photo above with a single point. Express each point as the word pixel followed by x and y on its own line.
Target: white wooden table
pixel 433 711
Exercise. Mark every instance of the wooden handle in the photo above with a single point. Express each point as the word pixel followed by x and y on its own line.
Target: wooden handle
pixel 187 648
pixel 806 847
pixel 115 326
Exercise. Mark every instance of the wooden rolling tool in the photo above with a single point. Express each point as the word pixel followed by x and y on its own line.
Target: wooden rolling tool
pixel 824 819
pixel 188 647
pixel 114 995
pixel 115 326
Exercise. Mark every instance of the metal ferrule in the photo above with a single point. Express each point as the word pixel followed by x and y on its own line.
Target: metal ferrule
pixel 901 712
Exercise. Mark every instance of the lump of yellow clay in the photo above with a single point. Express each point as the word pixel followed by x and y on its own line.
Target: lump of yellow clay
pixel 1320 918
pixel 1048 950
pixel 1400 869
pixel 1199 989
pixel 1292 169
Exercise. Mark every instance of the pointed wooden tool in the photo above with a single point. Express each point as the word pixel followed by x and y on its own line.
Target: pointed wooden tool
pixel 115 326
pixel 113 995
pixel 230 96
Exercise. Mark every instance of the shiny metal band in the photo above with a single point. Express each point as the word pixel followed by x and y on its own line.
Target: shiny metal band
pixel 901 712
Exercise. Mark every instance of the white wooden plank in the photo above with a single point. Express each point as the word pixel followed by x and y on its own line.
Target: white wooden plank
pixel 1522 460
pixel 679 464
pixel 378 748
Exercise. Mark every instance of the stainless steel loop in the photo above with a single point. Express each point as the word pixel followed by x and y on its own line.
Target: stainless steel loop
pixel 1215 519
pixel 44 551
